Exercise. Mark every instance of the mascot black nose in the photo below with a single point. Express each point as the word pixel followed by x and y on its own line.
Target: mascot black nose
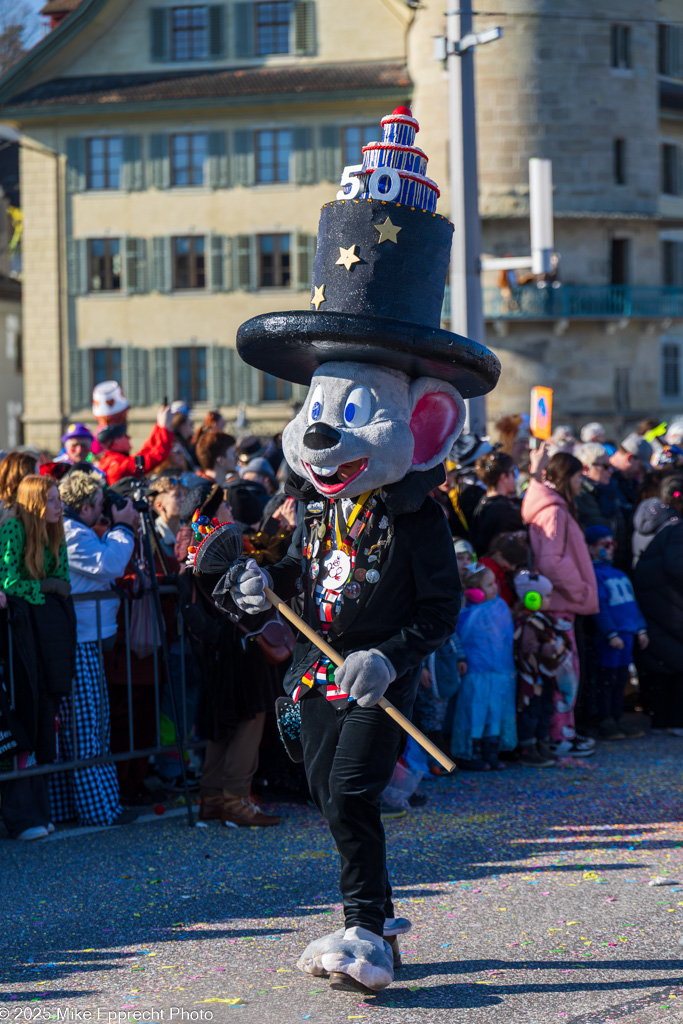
pixel 319 436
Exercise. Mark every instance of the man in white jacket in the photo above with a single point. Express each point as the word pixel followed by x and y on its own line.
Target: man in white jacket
pixel 91 795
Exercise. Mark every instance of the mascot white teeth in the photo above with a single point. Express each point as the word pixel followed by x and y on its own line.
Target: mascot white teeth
pixel 372 553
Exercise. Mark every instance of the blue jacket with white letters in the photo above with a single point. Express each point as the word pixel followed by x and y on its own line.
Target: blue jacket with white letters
pixel 619 615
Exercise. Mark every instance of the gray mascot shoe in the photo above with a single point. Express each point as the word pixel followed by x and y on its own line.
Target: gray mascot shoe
pixel 359 961
pixel 309 961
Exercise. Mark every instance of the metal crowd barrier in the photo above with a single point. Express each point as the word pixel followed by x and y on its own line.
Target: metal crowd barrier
pixel 158 682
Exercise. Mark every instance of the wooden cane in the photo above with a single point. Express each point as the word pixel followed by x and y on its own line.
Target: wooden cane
pixel 337 660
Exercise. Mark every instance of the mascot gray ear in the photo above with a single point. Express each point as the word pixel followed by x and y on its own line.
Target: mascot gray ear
pixel 437 419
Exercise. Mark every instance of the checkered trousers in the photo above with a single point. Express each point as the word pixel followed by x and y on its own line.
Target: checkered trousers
pixel 89 794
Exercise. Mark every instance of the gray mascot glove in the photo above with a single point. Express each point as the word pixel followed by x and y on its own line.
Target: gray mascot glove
pixel 365 676
pixel 248 592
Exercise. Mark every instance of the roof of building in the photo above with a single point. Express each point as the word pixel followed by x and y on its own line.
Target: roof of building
pixel 61 6
pixel 110 90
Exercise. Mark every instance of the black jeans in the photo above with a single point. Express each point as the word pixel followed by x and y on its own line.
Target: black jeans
pixel 610 688
pixel 533 721
pixel 349 757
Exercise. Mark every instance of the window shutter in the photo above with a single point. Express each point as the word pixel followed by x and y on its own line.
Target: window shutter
pixel 219 263
pixel 243 27
pixel 135 265
pixel 77 266
pixel 216 31
pixel 219 367
pixel 135 373
pixel 160 161
pixel 160 25
pixel 304 246
pixel 160 257
pixel 244 263
pixel 329 153
pixel 243 162
pixel 231 360
pixel 303 28
pixel 163 383
pixel 75 165
pixel 132 163
pixel 304 157
pixel 79 367
pixel 248 384
pixel 218 160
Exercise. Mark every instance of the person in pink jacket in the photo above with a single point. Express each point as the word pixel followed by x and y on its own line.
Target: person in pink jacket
pixel 560 552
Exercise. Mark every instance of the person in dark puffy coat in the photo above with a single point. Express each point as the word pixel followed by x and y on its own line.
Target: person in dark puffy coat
pixel 653 514
pixel 658 585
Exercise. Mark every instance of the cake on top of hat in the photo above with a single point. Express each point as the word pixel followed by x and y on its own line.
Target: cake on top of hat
pixel 398 151
pixel 378 281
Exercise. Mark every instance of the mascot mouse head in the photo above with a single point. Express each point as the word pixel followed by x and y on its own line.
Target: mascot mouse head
pixel 386 383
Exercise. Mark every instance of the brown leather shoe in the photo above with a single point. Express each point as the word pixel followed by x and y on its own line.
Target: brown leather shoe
pixel 211 808
pixel 242 811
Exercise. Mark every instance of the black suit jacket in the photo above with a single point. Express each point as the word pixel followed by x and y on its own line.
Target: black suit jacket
pixel 411 610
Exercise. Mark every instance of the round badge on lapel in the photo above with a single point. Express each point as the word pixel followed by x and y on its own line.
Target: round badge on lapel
pixel 352 590
pixel 372 576
pixel 359 574
pixel 314 570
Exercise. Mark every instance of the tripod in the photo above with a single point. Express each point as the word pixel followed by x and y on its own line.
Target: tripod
pixel 147 531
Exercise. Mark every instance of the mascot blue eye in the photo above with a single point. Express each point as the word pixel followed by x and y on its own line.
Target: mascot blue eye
pixel 315 409
pixel 358 408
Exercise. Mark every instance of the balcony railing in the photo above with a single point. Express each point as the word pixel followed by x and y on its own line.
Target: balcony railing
pixel 587 302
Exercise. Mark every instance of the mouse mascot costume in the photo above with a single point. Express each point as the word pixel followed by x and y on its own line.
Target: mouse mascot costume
pixel 372 552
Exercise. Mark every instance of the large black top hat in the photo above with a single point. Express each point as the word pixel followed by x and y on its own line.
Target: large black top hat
pixel 378 280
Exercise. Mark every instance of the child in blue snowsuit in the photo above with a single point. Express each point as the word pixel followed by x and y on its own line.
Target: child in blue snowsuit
pixel 618 622
pixel 484 720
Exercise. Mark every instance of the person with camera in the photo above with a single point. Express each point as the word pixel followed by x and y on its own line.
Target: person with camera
pixel 91 795
pixel 117 462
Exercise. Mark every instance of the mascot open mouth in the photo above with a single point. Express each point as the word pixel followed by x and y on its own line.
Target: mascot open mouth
pixel 333 479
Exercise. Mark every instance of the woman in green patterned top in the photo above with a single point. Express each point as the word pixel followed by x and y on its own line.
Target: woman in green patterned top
pixel 33 563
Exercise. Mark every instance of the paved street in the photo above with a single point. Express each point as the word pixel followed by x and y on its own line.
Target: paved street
pixel 528 891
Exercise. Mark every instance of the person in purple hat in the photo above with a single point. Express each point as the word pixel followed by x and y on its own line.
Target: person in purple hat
pixel 77 444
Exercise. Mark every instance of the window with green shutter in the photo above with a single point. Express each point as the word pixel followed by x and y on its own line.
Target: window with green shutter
pixel 77 266
pixel 218 160
pixel 243 29
pixel 221 375
pixel 216 31
pixel 304 28
pixel 79 379
pixel 220 273
pixel 135 266
pixel 160 33
pixel 161 264
pixel 329 158
pixel 245 263
pixel 304 156
pixel 305 255
pixel 132 176
pixel 160 163
pixel 243 162
pixel 75 165
pixel 163 383
pixel 135 375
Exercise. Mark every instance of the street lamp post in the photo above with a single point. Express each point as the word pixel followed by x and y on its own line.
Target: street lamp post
pixel 467 315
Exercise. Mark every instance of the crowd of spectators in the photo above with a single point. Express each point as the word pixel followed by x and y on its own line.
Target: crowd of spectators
pixel 570 557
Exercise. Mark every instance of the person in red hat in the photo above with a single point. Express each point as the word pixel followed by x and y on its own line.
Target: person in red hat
pixel 117 461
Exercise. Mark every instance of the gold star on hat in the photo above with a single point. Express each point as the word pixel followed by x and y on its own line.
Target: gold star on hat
pixel 388 232
pixel 318 297
pixel 347 257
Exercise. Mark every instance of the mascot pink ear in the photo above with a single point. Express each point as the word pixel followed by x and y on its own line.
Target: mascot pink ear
pixel 434 419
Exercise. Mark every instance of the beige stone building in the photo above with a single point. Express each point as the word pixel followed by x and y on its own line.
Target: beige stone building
pixel 175 157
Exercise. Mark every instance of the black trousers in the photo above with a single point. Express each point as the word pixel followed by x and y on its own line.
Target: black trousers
pixel 25 803
pixel 349 756
pixel 533 721
pixel 610 688
pixel 666 697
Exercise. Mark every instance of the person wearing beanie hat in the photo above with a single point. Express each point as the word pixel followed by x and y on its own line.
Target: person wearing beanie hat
pixel 260 471
pixel 117 461
pixel 541 648
pixel 77 443
pixel 246 505
pixel 383 409
pixel 618 624
pixel 464 555
pixel 484 719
